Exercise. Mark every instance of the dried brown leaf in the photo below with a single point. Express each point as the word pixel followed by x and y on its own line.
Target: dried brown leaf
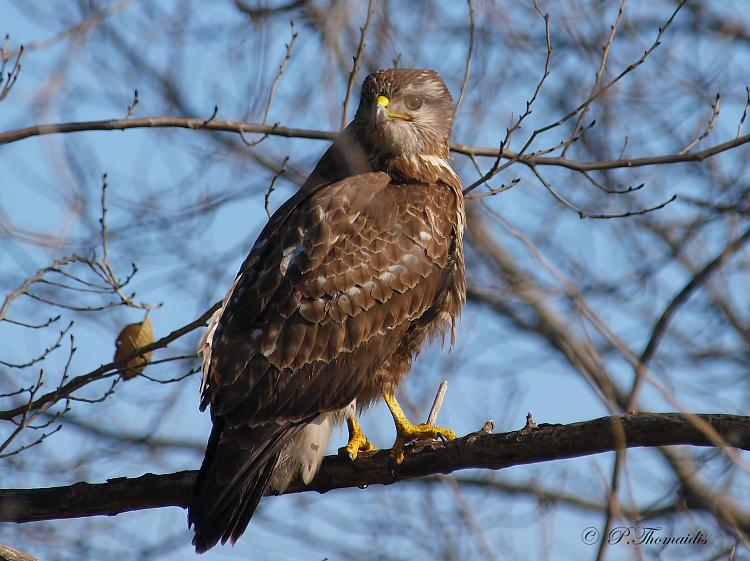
pixel 132 337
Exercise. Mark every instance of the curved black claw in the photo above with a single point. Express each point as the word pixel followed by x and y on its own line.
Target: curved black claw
pixel 392 467
pixel 344 453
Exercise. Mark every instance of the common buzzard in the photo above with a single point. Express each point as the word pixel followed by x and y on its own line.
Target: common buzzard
pixel 344 285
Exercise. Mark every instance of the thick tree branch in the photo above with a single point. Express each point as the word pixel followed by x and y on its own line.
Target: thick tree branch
pixel 478 450
pixel 277 130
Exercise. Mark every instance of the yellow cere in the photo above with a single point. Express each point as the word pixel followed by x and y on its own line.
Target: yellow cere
pixel 383 101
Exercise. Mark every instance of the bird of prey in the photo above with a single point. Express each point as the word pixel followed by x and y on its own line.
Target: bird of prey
pixel 346 282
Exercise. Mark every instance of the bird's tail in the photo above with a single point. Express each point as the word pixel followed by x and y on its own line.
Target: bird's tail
pixel 232 479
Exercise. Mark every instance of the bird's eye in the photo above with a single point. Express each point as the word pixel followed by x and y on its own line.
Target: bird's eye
pixel 413 102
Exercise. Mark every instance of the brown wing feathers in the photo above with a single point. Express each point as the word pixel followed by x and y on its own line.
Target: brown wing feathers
pixel 351 254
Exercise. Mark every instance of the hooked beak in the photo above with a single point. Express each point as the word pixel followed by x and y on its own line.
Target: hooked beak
pixel 383 114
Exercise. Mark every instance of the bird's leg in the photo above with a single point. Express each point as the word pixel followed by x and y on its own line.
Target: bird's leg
pixel 406 431
pixel 357 440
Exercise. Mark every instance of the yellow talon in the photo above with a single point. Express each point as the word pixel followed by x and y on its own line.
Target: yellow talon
pixel 357 440
pixel 406 431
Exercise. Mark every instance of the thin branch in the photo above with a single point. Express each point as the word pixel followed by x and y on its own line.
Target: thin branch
pixel 103 222
pixel 709 127
pixel 38 277
pixel 609 190
pixel 499 154
pixel 24 447
pixel 660 327
pixel 467 66
pixel 599 70
pixel 355 67
pixel 289 46
pixel 12 76
pixel 272 186
pixel 630 68
pixel 437 404
pixel 288 132
pixel 211 118
pixel 131 108
pixel 545 496
pixel 629 213
pixel 47 323
pixel 495 190
pixel 583 106
pixel 585 214
pixel 41 356
pixel 744 111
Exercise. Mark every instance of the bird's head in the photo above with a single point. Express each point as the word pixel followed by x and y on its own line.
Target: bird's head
pixel 404 112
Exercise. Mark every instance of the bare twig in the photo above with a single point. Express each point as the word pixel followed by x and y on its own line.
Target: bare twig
pixel 599 70
pixel 600 165
pixel 709 127
pixel 277 79
pixel 272 186
pixel 630 68
pixel 467 66
pixel 496 167
pixel 357 58
pixel 585 214
pixel 133 104
pixel 437 403
pixel 215 112
pixel 26 284
pixel 661 325
pixel 44 354
pixel 12 76
pixel 565 118
pixel 47 323
pixel 610 191
pixel 744 111
pixel 494 190
pixel 103 221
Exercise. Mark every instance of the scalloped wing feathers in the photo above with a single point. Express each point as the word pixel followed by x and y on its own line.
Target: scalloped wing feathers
pixel 304 327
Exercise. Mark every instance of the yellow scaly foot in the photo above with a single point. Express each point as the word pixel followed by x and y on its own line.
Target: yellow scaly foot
pixel 357 440
pixel 406 431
